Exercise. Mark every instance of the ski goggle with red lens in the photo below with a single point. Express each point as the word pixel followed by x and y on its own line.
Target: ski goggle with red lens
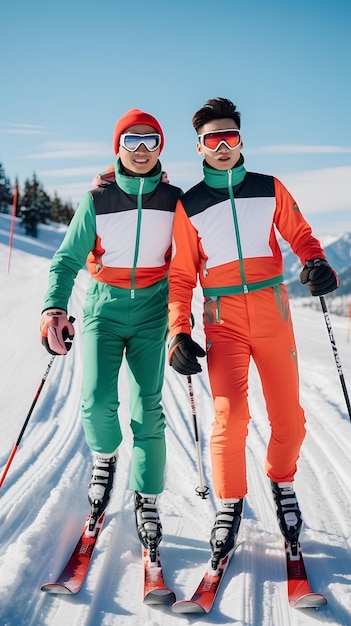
pixel 231 137
pixel 133 141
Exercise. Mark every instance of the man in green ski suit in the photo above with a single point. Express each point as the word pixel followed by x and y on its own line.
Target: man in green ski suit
pixel 122 230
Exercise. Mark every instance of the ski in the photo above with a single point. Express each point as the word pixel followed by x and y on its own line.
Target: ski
pixel 300 594
pixel 204 596
pixel 155 590
pixel 73 574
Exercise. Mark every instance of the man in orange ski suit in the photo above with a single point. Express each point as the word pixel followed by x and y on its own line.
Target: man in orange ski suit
pixel 225 235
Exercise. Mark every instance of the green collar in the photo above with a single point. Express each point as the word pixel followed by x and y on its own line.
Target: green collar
pixel 219 179
pixel 131 184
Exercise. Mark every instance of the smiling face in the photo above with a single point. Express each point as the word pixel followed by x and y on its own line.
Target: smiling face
pixel 223 158
pixel 141 161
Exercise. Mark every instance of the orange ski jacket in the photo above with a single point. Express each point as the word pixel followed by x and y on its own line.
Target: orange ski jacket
pixel 225 233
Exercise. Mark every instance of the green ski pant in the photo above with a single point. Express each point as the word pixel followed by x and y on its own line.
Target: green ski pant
pixel 115 324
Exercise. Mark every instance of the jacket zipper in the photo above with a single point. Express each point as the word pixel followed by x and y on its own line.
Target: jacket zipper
pixel 137 237
pixel 237 233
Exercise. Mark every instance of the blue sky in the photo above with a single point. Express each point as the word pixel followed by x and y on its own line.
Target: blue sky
pixel 70 69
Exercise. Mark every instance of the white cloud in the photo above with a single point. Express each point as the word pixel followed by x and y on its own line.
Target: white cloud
pixel 23 129
pixel 316 191
pixel 184 174
pixel 72 172
pixel 319 191
pixel 72 150
pixel 299 149
pixel 72 192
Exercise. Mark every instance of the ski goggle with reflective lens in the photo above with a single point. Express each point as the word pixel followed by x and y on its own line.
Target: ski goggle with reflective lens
pixel 133 141
pixel 231 138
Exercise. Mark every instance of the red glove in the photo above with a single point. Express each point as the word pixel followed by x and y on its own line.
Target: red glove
pixel 55 331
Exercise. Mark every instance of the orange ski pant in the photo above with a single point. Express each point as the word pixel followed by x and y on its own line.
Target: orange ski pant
pixel 255 326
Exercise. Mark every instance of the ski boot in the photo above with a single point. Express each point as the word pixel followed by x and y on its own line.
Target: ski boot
pixel 288 513
pixel 100 487
pixel 148 523
pixel 225 531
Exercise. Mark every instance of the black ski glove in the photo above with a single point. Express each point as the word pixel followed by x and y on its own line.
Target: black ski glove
pixel 319 277
pixel 182 353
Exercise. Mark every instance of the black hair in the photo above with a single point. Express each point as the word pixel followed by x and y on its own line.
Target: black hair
pixel 215 109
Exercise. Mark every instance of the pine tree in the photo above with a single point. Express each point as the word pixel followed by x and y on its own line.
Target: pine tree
pixel 61 213
pixel 67 213
pixel 34 205
pixel 6 195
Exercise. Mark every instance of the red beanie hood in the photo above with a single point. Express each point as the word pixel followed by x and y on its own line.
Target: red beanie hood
pixel 132 117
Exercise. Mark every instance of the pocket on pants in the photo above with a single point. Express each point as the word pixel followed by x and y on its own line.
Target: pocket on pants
pixel 97 297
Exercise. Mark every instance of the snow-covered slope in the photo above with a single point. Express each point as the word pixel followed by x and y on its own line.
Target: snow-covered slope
pixel 44 496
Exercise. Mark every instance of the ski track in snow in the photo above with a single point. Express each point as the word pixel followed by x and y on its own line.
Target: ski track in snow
pixel 44 496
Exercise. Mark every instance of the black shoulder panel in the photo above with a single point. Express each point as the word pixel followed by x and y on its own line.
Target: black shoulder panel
pixel 112 199
pixel 255 186
pixel 200 197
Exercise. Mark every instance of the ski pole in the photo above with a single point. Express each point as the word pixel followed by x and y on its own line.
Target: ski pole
pixel 201 490
pixel 335 352
pixel 15 447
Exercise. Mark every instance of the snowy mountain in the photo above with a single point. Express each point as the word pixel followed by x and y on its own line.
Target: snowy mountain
pixel 338 253
pixel 44 496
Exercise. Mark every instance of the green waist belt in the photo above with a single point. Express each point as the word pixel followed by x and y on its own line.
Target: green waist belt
pixel 227 291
